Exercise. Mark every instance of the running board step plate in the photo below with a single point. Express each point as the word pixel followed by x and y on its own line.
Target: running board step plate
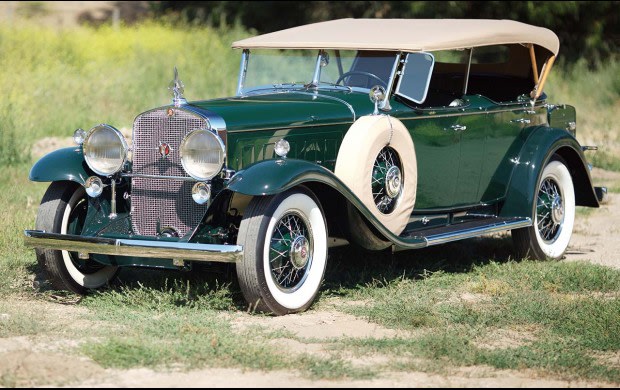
pixel 463 230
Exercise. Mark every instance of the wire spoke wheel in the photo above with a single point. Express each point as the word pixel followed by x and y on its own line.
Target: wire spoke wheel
pixel 553 215
pixel 549 210
pixel 290 251
pixel 386 180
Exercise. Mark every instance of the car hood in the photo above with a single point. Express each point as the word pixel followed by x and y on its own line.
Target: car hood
pixel 284 109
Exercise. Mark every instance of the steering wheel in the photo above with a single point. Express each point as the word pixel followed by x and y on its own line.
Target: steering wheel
pixel 361 73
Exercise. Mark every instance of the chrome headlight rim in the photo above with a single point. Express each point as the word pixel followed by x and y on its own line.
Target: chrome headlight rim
pixel 220 143
pixel 86 146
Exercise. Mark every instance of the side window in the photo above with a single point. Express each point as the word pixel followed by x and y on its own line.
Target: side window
pixel 449 78
pixel 413 83
pixel 501 72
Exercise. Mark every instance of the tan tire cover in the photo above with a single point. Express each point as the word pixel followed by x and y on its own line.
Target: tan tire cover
pixel 356 157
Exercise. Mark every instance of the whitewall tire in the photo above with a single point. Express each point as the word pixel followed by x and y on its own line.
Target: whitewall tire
pixel 554 216
pixel 62 211
pixel 284 239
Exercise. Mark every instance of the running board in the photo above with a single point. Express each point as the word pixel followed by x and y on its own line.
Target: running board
pixel 461 231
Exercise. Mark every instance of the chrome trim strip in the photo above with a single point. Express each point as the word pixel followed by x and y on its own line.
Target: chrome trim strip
pixel 402 119
pixel 460 113
pixel 182 178
pixel 137 248
pixel 294 127
pixel 474 232
pixel 216 122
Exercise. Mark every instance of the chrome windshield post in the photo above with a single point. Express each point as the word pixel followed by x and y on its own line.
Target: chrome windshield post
pixel 321 60
pixel 384 105
pixel 243 70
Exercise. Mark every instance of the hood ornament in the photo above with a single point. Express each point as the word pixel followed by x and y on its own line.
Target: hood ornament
pixel 176 87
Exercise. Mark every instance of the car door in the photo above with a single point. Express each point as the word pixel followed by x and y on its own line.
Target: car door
pixel 498 88
pixel 471 127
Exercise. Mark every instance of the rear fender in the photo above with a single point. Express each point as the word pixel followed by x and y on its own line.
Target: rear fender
pixel 542 144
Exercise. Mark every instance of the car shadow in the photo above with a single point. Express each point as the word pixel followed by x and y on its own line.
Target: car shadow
pixel 347 268
pixel 351 266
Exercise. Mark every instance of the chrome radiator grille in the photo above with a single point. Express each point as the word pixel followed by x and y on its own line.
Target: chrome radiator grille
pixel 157 204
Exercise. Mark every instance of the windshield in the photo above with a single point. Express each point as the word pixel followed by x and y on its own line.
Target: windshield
pixel 268 69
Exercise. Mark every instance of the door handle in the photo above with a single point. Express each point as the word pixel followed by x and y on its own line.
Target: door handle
pixel 458 127
pixel 521 120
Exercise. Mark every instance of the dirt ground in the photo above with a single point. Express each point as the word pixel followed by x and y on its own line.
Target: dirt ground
pixel 38 360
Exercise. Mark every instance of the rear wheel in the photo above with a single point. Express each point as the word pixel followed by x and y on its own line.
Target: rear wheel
pixel 554 216
pixel 63 210
pixel 284 238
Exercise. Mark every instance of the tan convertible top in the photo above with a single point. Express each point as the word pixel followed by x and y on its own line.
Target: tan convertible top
pixel 404 34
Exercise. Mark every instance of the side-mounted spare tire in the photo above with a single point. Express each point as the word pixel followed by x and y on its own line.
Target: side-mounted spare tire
pixel 377 162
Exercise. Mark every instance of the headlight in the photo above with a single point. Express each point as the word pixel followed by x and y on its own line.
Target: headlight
pixel 202 154
pixel 105 150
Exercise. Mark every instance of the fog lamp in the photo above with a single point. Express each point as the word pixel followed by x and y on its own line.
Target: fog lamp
pixel 201 192
pixel 93 186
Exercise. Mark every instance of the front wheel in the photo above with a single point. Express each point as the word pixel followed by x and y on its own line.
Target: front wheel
pixel 284 238
pixel 554 216
pixel 63 210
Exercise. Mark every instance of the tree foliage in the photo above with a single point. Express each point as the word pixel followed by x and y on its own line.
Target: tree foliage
pixel 587 29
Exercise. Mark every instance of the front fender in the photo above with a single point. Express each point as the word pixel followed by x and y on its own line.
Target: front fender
pixel 61 164
pixel 540 146
pixel 269 177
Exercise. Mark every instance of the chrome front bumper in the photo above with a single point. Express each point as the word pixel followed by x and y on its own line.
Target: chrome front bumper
pixel 138 248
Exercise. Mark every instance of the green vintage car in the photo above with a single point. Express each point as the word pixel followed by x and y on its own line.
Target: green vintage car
pixel 383 133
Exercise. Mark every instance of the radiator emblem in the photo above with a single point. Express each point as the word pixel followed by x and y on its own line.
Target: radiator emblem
pixel 164 149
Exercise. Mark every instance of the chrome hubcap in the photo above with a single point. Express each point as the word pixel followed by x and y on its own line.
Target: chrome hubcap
pixel 393 182
pixel 299 252
pixel 557 213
